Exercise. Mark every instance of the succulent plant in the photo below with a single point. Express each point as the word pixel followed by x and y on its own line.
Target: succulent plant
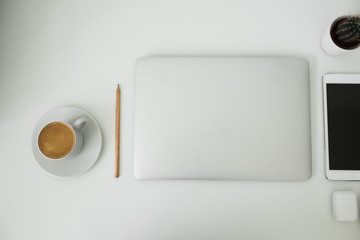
pixel 346 32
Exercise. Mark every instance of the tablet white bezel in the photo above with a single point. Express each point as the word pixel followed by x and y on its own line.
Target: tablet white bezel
pixel 342 79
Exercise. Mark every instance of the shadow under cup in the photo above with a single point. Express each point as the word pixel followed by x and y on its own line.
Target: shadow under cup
pixel 58 140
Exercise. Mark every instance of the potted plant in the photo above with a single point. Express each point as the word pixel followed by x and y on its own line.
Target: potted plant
pixel 342 36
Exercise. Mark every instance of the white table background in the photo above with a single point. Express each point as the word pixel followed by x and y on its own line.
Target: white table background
pixel 73 53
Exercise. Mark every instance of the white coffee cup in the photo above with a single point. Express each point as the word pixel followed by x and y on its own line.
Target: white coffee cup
pixel 61 140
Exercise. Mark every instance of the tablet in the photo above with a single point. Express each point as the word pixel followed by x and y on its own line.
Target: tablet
pixel 342 126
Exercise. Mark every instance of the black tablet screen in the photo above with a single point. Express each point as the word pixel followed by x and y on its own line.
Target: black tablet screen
pixel 343 110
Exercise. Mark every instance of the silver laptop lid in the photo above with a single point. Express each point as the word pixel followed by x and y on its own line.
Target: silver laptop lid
pixel 222 118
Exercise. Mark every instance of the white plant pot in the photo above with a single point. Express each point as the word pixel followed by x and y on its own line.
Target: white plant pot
pixel 329 46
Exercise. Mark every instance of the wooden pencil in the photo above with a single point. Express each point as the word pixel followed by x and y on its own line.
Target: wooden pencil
pixel 117 132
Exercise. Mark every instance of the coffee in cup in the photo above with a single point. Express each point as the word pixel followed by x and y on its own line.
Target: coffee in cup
pixel 59 140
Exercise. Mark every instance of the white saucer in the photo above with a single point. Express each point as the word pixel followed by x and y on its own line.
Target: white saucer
pixel 89 152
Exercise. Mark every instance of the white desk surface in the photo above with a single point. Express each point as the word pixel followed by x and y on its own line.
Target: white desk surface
pixel 73 53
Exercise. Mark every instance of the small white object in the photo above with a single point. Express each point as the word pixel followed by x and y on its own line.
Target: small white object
pixel 344 204
pixel 79 123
